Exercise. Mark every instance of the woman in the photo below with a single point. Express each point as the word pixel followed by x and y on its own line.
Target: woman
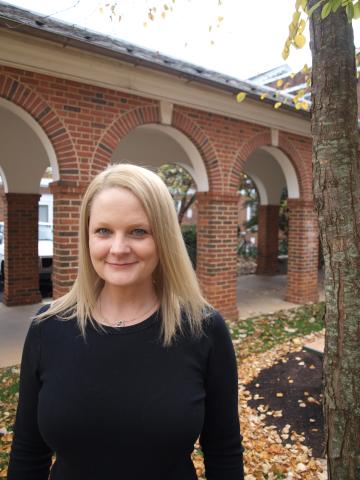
pixel 121 375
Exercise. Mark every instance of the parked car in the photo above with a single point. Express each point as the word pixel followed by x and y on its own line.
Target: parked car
pixel 45 250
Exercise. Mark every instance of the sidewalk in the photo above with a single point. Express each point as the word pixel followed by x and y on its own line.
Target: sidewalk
pixel 14 324
pixel 256 295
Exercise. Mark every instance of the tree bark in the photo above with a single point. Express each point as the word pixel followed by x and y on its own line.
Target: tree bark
pixel 336 184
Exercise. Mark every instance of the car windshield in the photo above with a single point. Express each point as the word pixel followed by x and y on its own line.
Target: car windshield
pixel 45 232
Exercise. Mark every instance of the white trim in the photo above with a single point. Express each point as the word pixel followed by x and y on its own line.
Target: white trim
pixel 166 111
pixel 4 180
pixel 263 196
pixel 39 132
pixel 274 137
pixel 43 56
pixel 289 172
pixel 197 168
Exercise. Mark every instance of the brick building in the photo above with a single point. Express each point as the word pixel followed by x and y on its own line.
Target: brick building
pixel 76 101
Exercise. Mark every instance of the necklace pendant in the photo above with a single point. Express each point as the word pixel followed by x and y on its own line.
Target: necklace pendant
pixel 120 323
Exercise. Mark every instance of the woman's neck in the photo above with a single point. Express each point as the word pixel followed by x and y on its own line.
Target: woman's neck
pixel 115 303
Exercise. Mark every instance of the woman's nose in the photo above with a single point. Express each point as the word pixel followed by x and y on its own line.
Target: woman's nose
pixel 119 245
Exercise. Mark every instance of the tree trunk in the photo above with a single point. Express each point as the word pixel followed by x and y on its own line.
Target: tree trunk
pixel 336 183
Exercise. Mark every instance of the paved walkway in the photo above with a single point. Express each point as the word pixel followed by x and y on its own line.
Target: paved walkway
pixel 259 294
pixel 256 294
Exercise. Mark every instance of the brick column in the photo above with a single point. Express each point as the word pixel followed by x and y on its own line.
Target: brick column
pixel 67 200
pixel 21 249
pixel 216 250
pixel 268 239
pixel 303 250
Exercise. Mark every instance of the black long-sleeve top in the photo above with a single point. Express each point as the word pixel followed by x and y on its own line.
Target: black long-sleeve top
pixel 121 406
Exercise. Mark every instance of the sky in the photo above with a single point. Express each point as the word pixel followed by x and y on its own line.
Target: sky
pixel 241 38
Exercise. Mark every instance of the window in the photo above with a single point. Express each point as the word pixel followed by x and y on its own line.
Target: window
pixel 43 213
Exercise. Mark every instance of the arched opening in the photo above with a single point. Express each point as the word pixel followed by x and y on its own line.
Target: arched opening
pixel 271 179
pixel 154 145
pixel 25 154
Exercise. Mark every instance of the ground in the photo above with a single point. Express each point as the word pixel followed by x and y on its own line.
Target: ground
pixel 279 397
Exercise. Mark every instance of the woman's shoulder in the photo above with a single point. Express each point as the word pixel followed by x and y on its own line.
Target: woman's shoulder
pixel 46 322
pixel 214 323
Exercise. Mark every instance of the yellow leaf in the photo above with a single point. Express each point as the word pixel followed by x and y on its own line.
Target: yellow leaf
pixel 220 19
pixel 299 40
pixel 263 95
pixel 301 26
pixel 277 105
pixel 308 82
pixel 163 14
pixel 166 7
pixel 296 17
pixel 240 97
pixel 210 28
pixel 305 69
pixel 285 53
pixel 298 105
pixel 279 83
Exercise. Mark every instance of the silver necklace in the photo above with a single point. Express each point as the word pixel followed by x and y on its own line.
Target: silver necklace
pixel 122 323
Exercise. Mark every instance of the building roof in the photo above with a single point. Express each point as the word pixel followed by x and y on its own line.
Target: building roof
pixel 41 26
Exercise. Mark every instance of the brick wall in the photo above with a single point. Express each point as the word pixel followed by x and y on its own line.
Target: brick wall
pixel 21 249
pixel 85 124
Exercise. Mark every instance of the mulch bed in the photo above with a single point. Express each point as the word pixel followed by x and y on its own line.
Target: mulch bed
pixel 294 387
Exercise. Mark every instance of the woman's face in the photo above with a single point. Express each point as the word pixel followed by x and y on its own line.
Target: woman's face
pixel 122 248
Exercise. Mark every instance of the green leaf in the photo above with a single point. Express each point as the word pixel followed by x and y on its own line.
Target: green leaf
pixel 326 10
pixel 301 4
pixel 335 5
pixel 314 7
pixel 350 11
pixel 356 11
pixel 304 4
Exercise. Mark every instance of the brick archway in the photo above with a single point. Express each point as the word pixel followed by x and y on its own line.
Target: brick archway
pixel 30 101
pixel 186 125
pixel 121 127
pixel 303 234
pixel 150 114
pixel 264 140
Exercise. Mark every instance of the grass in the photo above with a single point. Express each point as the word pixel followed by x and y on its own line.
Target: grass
pixel 261 333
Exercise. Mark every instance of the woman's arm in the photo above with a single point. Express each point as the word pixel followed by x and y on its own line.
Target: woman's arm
pixel 30 456
pixel 220 438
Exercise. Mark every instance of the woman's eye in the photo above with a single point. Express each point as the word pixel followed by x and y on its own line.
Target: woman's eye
pixel 138 232
pixel 102 231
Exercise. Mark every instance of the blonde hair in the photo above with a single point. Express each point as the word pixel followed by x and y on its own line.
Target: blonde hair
pixel 175 280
